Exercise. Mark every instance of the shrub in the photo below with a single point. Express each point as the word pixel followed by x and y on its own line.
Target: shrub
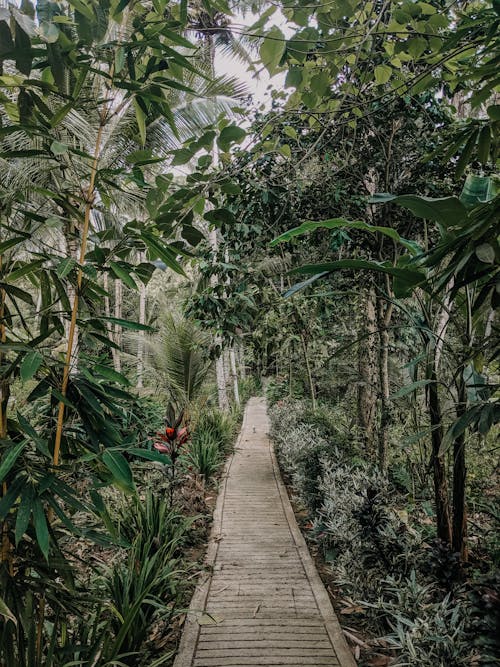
pixel 204 454
pixel 219 425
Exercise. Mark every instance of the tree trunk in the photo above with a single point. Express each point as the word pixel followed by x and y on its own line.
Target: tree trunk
pixel 234 375
pixel 308 369
pixel 459 474
pixel 443 522
pixel 384 314
pixel 142 334
pixel 117 362
pixel 71 243
pixel 367 367
pixel 107 312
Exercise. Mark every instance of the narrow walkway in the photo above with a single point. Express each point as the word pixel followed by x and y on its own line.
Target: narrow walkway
pixel 263 602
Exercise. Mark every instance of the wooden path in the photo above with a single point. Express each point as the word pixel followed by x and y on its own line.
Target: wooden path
pixel 261 601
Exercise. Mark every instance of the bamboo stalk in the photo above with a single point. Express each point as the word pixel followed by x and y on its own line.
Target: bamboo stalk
pixel 79 279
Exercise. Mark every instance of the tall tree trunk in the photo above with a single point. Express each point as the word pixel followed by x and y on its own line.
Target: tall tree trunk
pixel 241 361
pixel 443 521
pixel 384 314
pixel 459 474
pixel 118 330
pixel 71 243
pixel 140 343
pixel 234 375
pixel 367 367
pixel 107 312
pixel 308 370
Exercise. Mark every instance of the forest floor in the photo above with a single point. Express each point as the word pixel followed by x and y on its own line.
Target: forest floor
pixel 261 601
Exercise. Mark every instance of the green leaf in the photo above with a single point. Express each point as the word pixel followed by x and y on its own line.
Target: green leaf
pixel 111 374
pixel 150 455
pixel 49 32
pixel 409 276
pixel 23 514
pixel 6 612
pixel 230 134
pixel 446 211
pixel 305 283
pixel 485 253
pixel 161 251
pixel 118 466
pixel 494 111
pixel 58 148
pixel 290 132
pixel 382 74
pixel 9 458
pixel 10 243
pixel 31 363
pixel 140 116
pixel 41 529
pixel 410 388
pixel 122 273
pixel 126 324
pixel 484 144
pixel 335 223
pixel 272 49
pixel 65 267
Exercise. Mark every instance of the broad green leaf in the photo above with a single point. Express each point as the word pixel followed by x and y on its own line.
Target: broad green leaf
pixel 272 49
pixel 290 132
pixel 230 134
pixel 48 32
pixel 127 324
pixel 447 211
pixel 408 276
pixel 335 223
pixel 122 273
pixel 58 148
pixel 9 458
pixel 41 529
pixel 304 284
pixel 150 455
pixel 10 243
pixel 65 267
pixel 30 364
pixel 6 612
pixel 410 388
pixel 23 514
pixel 118 466
pixel 140 116
pixel 160 250
pixel 494 111
pixel 484 144
pixel 382 74
pixel 111 374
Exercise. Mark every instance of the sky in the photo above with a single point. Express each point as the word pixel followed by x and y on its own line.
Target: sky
pixel 258 83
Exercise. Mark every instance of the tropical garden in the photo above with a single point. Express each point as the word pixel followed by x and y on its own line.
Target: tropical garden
pixel 171 245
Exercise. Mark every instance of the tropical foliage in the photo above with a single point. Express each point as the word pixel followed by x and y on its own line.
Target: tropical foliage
pixel 167 243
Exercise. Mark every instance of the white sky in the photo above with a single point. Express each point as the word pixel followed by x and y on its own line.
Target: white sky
pixel 258 83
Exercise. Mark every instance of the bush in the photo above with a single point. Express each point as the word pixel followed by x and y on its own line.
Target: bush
pixel 219 425
pixel 358 528
pixel 204 454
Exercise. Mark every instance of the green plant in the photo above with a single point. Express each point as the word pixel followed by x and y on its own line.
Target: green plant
pixel 141 591
pixel 151 524
pixel 204 454
pixel 220 425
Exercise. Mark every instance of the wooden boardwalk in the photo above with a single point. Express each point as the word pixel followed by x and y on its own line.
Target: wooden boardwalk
pixel 261 601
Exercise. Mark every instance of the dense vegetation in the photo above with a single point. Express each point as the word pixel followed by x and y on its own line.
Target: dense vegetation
pixel 165 246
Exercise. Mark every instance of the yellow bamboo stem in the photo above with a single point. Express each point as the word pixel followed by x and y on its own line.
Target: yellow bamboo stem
pixel 79 279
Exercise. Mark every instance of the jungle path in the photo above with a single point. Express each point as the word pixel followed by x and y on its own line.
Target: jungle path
pixel 261 601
